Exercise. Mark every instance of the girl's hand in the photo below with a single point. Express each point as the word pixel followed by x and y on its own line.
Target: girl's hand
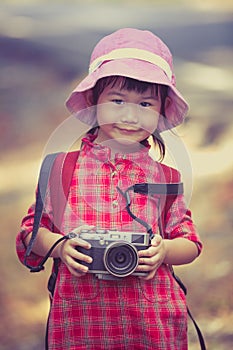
pixel 69 254
pixel 151 258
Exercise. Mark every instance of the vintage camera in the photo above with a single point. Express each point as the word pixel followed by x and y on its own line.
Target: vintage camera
pixel 114 253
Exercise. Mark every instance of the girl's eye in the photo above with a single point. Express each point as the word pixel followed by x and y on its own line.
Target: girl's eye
pixel 145 104
pixel 118 102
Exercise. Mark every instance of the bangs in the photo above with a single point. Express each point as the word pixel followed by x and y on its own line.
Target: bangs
pixel 131 84
pixel 124 83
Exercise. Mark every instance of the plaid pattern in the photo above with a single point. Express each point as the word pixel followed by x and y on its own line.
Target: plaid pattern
pixel 87 313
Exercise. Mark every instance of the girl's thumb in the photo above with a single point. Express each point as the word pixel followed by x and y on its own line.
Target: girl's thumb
pixel 156 240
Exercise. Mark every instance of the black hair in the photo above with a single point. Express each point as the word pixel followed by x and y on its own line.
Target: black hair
pixel 131 84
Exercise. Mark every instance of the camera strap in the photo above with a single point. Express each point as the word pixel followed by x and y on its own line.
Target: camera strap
pixel 166 189
pixel 170 190
pixel 163 189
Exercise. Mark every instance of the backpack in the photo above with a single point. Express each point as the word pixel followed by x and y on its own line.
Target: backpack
pixel 60 184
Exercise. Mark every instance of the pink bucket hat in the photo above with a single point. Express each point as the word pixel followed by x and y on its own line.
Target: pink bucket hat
pixel 137 54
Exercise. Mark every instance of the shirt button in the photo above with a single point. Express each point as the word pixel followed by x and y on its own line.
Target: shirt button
pixel 114 173
pixel 115 203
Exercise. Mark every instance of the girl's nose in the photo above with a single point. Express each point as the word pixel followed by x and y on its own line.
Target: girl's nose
pixel 130 114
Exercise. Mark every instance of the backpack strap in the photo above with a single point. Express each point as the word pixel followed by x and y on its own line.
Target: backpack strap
pixel 44 175
pixel 56 168
pixel 61 176
pixel 170 176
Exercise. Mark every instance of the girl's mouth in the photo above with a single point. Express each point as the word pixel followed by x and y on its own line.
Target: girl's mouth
pixel 125 129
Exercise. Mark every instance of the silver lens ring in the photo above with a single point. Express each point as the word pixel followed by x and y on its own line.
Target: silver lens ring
pixel 120 259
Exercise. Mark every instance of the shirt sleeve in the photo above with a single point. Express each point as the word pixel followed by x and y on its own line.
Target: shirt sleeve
pixel 27 227
pixel 178 221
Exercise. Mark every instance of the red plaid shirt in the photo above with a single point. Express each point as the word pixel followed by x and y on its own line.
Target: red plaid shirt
pixel 91 314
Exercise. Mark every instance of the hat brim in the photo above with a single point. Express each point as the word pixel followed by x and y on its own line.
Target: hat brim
pixel 136 69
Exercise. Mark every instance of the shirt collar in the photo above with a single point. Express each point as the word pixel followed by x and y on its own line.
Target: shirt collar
pixel 103 153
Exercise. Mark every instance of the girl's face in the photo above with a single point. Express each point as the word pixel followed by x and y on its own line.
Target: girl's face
pixel 127 116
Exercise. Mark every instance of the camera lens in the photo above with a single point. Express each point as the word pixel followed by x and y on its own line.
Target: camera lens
pixel 120 259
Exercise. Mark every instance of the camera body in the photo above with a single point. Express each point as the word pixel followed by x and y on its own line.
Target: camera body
pixel 114 253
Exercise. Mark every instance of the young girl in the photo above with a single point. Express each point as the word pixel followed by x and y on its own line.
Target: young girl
pixel 131 88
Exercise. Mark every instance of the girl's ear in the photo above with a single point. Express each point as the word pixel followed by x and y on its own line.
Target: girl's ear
pixel 89 98
pixel 168 102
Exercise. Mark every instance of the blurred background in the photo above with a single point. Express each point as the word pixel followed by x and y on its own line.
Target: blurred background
pixel 44 51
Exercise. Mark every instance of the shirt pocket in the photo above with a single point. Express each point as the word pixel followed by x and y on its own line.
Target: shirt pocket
pixel 74 288
pixel 157 289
